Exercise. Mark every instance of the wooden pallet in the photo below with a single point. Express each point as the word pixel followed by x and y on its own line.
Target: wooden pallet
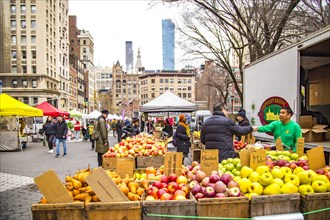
pixel 113 210
pixel 315 201
pixel 65 211
pixel 228 207
pixel 274 204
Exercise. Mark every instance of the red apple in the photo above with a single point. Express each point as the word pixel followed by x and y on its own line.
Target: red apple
pixel 196 189
pixel 220 195
pixel 193 183
pixel 182 179
pixel 320 171
pixel 179 192
pixel 150 198
pixel 172 177
pixel 220 187
pixel 205 182
pixel 214 178
pixel 164 179
pixel 200 175
pixel 172 187
pixel 160 192
pixel 179 197
pixel 234 192
pixel 209 192
pixel 190 167
pixel 185 189
pixel 165 185
pixel 158 184
pixel 166 196
pixel 232 184
pixel 190 175
pixel 194 163
pixel 152 191
pixel 226 178
pixel 199 196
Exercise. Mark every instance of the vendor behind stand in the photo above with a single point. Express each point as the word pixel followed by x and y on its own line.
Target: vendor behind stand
pixel 288 130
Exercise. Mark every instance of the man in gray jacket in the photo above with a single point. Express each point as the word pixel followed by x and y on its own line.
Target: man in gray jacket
pixel 218 130
pixel 102 141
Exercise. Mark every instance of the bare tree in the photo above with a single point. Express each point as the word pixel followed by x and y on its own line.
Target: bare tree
pixel 214 29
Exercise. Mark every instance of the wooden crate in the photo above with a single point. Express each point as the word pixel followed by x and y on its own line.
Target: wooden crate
pixel 169 207
pixel 67 211
pixel 110 163
pixel 148 161
pixel 113 210
pixel 274 204
pixel 227 207
pixel 312 202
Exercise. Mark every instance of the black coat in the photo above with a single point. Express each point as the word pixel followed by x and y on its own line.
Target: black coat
pixel 61 130
pixel 49 128
pixel 169 130
pixel 217 133
pixel 183 140
pixel 244 122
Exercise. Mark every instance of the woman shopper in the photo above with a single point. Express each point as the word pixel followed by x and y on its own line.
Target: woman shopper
pixel 90 131
pixel 183 137
pixel 76 129
pixel 49 128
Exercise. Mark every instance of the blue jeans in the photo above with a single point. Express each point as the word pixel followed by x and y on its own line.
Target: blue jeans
pixel 58 141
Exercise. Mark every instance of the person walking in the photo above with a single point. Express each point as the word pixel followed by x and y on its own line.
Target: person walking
pixel 102 141
pixel 49 128
pixel 119 127
pixel 76 129
pixel 113 127
pixel 183 137
pixel 218 130
pixel 91 131
pixel 61 134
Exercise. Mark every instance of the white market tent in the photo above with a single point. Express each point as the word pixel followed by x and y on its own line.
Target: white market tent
pixel 93 114
pixel 168 102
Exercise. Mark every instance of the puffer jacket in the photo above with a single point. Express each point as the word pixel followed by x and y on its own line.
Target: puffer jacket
pixel 217 133
pixel 244 122
pixel 61 130
pixel 183 140
pixel 101 127
pixel 49 128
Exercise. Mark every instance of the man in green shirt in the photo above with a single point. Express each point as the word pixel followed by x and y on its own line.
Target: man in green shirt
pixel 289 131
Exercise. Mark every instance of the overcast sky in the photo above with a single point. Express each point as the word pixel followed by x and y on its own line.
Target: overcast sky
pixel 112 22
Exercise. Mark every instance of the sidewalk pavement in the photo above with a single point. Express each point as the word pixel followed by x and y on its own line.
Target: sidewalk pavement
pixel 17 170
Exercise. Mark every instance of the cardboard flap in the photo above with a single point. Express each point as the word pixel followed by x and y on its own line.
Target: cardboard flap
pixel 209 160
pixel 316 159
pixel 306 121
pixel 305 130
pixel 52 188
pixel 104 187
pixel 321 127
pixel 173 163
pixel 125 166
pixel 318 131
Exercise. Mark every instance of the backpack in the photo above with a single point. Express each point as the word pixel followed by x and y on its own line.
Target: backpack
pixel 175 137
pixel 96 131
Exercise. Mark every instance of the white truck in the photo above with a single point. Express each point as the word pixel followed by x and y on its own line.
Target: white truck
pixel 297 75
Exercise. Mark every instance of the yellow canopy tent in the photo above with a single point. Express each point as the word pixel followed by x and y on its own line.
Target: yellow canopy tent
pixel 12 107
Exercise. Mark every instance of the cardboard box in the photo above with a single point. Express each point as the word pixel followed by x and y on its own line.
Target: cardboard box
pixel 52 188
pixel 311 132
pixel 149 161
pixel 110 163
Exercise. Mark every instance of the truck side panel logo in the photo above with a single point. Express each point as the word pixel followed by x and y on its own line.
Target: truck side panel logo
pixel 270 109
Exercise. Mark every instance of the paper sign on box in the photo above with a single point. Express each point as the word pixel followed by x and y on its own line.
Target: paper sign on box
pixel 279 145
pixel 244 155
pixel 300 146
pixel 173 163
pixel 104 187
pixel 257 158
pixel 209 161
pixel 52 188
pixel 316 158
pixel 125 166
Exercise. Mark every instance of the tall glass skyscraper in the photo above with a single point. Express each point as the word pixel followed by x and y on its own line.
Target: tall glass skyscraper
pixel 129 56
pixel 168 34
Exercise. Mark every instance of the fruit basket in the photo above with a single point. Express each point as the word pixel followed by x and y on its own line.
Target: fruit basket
pixel 74 211
pixel 312 202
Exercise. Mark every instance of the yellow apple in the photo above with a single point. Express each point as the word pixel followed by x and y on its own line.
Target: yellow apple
pixel 292 178
pixel 266 179
pixel 277 173
pixel 289 188
pixel 298 170
pixel 319 186
pixel 246 171
pixel 323 178
pixel 254 176
pixel 244 184
pixel 305 189
pixel 305 177
pixel 286 170
pixel 263 169
pixel 256 188
pixel 272 189
pixel 278 182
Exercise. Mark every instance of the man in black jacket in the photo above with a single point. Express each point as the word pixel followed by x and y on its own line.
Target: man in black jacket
pixel 218 130
pixel 60 134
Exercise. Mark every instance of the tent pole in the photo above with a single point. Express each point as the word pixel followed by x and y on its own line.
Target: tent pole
pixel 168 114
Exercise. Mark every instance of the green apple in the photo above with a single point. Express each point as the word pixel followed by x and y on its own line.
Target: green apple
pixel 230 173
pixel 294 156
pixel 272 189
pixel 305 189
pixel 305 177
pixel 256 188
pixel 277 173
pixel 272 152
pixel 289 188
pixel 237 173
pixel 286 170
pixel 303 157
pixel 236 161
pixel 254 176
pixel 323 178
pixel 263 169
pixel 244 184
pixel 266 179
pixel 278 182
pixel 278 153
pixel 286 153
pixel 298 170
pixel 239 166
pixel 237 178
pixel 223 169
pixel 224 162
pixel 292 179
pixel 319 186
pixel 246 171
pixel 220 165
pixel 281 157
pixel 233 170
pixel 229 166
pixel 287 158
pixel 230 160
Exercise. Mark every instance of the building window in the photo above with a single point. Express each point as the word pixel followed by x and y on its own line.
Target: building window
pixel 23 54
pixel 13 9
pixel 33 24
pixel 84 42
pixel 24 69
pixel 34 69
pixel 152 80
pixel 34 83
pixel 84 50
pixel 189 81
pixel 26 100
pixel 13 39
pixel 35 100
pixel 189 88
pixel 189 95
pixel 14 83
pixel 23 9
pixel 23 39
pixel 171 81
pixel 33 9
pixel 13 24
pixel 23 24
pixel 13 54
pixel 179 94
pixel 166 80
pixel 161 80
pixel 184 95
pixel 24 83
pixel 14 69
pixel 34 54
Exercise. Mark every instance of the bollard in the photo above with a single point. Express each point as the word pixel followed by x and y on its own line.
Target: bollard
pixel 291 216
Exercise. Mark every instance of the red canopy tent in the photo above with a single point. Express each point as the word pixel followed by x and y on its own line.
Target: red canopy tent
pixel 50 110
